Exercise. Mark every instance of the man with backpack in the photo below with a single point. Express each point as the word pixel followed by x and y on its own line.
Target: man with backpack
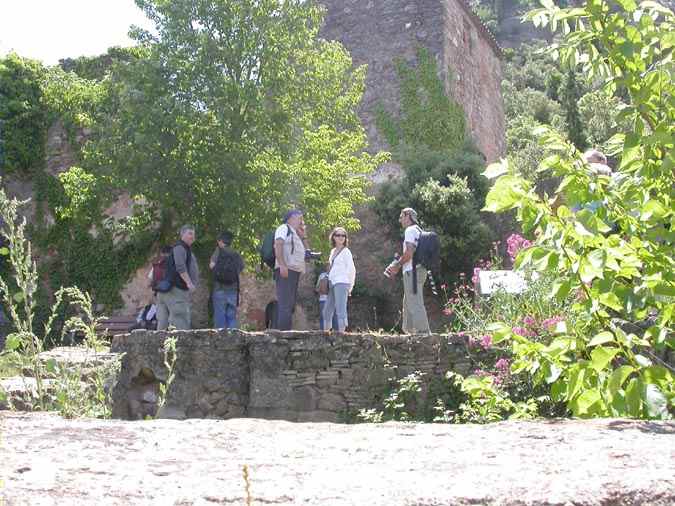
pixel 414 275
pixel 289 252
pixel 174 290
pixel 226 266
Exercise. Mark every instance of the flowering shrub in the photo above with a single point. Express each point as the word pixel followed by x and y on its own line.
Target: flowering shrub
pixel 616 261
pixel 514 244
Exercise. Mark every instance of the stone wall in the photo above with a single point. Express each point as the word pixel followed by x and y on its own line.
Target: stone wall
pixel 295 376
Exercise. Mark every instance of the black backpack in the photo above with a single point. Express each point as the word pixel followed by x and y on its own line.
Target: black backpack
pixel 428 255
pixel 267 255
pixel 226 270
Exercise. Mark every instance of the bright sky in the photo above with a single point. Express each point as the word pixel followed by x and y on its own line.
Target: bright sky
pixel 48 30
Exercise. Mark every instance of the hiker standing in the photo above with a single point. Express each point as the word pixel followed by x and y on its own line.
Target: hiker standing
pixel 341 277
pixel 174 301
pixel 414 276
pixel 289 251
pixel 226 266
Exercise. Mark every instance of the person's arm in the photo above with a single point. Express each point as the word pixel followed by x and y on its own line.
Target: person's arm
pixel 405 258
pixel 180 259
pixel 214 258
pixel 279 253
pixel 352 272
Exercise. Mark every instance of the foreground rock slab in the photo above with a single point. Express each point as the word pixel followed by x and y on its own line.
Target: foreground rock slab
pixel 48 460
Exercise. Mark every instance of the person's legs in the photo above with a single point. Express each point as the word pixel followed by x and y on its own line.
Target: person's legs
pixel 179 309
pixel 218 300
pixel 329 309
pixel 287 289
pixel 414 314
pixel 322 305
pixel 231 309
pixel 341 296
pixel 162 312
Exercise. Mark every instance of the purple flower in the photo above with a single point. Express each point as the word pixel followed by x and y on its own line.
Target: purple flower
pixel 529 321
pixel 502 365
pixel 486 341
pixel 552 322
pixel 514 244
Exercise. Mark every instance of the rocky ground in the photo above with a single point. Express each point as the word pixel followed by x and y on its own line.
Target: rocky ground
pixel 48 460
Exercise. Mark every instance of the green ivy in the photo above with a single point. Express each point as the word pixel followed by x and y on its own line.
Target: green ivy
pixel 429 116
pixel 23 117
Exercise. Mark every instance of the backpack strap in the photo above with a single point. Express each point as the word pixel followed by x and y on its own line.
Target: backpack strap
pixel 290 232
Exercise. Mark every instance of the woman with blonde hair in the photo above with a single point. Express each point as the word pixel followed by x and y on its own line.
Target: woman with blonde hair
pixel 341 277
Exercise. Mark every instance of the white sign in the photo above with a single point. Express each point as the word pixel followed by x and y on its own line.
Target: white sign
pixel 490 282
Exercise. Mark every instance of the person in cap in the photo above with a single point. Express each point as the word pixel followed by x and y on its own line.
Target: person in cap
pixel 289 250
pixel 415 319
pixel 226 267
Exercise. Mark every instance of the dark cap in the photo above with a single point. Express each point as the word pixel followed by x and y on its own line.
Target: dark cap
pixel 291 213
pixel 226 237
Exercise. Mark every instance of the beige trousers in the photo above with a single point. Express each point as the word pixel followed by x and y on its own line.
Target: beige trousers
pixel 173 309
pixel 415 319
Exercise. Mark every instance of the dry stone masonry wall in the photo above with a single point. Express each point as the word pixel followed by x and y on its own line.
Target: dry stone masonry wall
pixel 295 376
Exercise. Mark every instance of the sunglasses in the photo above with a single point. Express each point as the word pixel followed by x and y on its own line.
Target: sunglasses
pixel 339 235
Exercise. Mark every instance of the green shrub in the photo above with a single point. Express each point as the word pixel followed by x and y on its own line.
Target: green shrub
pixel 616 261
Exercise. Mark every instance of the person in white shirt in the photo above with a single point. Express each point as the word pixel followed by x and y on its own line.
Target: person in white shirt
pixel 341 277
pixel 414 313
pixel 289 250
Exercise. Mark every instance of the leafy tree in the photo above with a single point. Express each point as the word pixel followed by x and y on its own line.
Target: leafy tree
pixel 23 118
pixel 570 96
pixel 617 260
pixel 236 111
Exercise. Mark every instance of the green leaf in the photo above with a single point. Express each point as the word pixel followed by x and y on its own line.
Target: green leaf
pixel 602 338
pixel 576 381
pixel 591 266
pixel 658 375
pixel 551 373
pixel 507 193
pixel 601 356
pixel 13 342
pixel 499 332
pixel 634 397
pixel 587 404
pixel 4 251
pixel 655 402
pixel 494 170
pixel 561 289
pixel 643 361
pixel 610 300
pixel 619 377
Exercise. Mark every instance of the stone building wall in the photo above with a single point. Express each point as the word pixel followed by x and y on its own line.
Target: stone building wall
pixel 376 32
pixel 295 376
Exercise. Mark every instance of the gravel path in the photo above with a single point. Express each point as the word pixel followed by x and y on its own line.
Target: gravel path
pixel 47 460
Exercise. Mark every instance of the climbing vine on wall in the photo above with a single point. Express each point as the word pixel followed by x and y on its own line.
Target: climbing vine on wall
pixel 428 115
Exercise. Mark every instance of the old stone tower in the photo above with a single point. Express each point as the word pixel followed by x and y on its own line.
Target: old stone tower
pixel 377 31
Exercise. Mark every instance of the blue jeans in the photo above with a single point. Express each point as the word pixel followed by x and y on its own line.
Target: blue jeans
pixel 322 305
pixel 336 305
pixel 225 309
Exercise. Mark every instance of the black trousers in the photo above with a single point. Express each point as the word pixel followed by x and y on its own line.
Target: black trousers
pixel 287 293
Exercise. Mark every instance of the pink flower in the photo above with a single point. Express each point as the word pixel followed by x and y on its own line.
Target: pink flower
pixel 529 321
pixel 447 311
pixel 486 341
pixel 522 331
pixel 480 372
pixel 502 365
pixel 444 286
pixel 473 342
pixel 551 322
pixel 514 244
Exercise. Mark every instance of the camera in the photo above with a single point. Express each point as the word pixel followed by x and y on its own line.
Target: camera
pixel 312 255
